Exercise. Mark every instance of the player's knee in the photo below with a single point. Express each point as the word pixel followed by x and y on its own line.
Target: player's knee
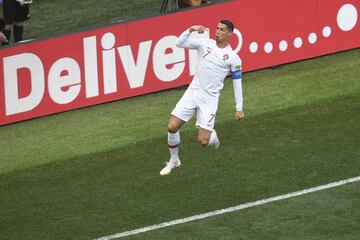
pixel 172 128
pixel 19 24
pixel 204 141
pixel 8 27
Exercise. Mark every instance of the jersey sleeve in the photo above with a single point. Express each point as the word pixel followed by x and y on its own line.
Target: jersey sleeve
pixel 236 75
pixel 185 41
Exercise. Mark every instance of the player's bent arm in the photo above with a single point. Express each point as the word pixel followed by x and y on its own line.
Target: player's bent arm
pixel 184 41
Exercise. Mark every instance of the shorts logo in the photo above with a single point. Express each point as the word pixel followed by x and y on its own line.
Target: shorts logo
pixel 212 118
pixel 238 68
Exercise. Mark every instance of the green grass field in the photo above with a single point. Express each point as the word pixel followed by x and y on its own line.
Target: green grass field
pixel 49 17
pixel 94 172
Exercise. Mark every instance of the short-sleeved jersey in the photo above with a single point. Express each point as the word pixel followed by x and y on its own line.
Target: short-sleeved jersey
pixel 213 63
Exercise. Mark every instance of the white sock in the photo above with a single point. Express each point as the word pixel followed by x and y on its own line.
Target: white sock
pixel 173 142
pixel 213 139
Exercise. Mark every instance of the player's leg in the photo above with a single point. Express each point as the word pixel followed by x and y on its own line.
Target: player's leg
pixel 22 15
pixel 204 136
pixel 18 30
pixel 173 144
pixel 9 8
pixel 174 136
pixel 206 121
pixel 208 138
pixel 7 33
pixel 182 113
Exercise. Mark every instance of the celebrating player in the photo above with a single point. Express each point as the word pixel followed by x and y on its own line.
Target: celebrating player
pixel 215 58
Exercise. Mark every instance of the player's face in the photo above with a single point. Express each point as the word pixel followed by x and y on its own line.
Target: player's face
pixel 222 33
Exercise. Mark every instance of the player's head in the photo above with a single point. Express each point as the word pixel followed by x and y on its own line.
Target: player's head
pixel 229 25
pixel 224 30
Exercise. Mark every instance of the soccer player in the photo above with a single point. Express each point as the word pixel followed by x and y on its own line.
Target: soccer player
pixel 215 59
pixel 15 12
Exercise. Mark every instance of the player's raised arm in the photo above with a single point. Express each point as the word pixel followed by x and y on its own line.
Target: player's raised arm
pixel 197 28
pixel 236 75
pixel 184 41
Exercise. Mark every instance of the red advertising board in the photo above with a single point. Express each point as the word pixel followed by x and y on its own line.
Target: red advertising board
pixel 134 58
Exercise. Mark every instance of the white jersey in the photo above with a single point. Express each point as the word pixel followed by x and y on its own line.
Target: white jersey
pixel 213 66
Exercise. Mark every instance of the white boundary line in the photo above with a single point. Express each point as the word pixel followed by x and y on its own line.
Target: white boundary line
pixel 230 209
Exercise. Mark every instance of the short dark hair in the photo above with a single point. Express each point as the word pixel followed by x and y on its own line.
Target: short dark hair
pixel 228 24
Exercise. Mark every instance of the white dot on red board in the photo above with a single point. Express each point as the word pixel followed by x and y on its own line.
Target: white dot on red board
pixel 312 38
pixel 253 47
pixel 347 17
pixel 326 31
pixel 108 41
pixel 298 42
pixel 283 45
pixel 268 47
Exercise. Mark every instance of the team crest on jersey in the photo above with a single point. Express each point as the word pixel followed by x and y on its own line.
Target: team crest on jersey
pixel 225 57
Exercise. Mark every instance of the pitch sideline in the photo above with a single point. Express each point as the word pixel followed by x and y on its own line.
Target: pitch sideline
pixel 230 209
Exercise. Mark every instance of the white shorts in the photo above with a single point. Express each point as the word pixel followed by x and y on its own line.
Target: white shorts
pixel 199 102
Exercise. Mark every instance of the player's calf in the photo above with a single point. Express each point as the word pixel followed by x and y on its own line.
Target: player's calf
pixel 214 141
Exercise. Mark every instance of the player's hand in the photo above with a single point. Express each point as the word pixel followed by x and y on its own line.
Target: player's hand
pixel 197 28
pixel 2 37
pixel 239 115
